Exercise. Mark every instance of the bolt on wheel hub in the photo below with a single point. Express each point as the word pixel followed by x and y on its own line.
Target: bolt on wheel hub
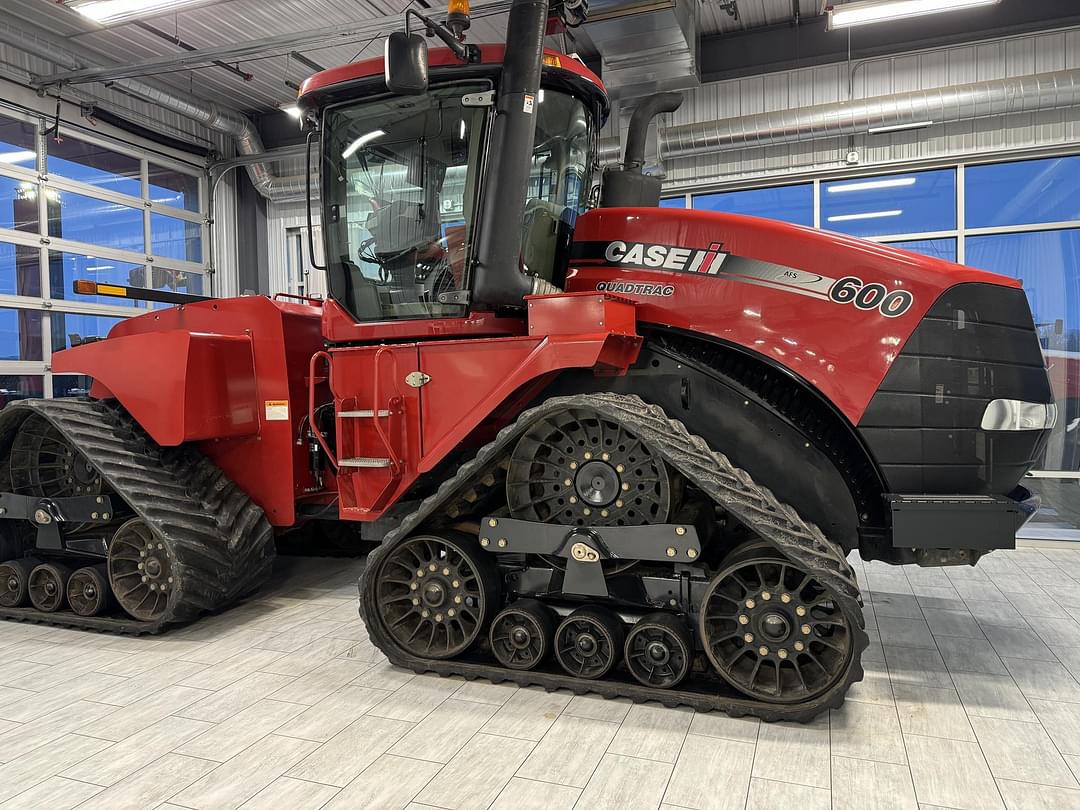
pixel 657 652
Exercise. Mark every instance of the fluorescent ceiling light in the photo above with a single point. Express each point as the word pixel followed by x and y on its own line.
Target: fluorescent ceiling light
pixel 350 150
pixel 21 156
pixel 115 11
pixel 864 12
pixel 899 127
pixel 100 268
pixel 870 185
pixel 867 215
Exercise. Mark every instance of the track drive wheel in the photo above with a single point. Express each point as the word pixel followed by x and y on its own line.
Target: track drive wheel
pixel 88 591
pixel 773 631
pixel 15 582
pixel 435 595
pixel 589 641
pixel 48 586
pixel 659 650
pixel 141 571
pixel 521 635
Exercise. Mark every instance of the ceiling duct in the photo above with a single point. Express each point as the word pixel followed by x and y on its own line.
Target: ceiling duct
pixel 229 122
pixel 646 45
pixel 943 105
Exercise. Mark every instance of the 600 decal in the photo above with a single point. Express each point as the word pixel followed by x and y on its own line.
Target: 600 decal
pixel 853 290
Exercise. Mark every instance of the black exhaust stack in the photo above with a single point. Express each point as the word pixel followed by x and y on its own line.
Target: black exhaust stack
pixel 626 186
pixel 498 280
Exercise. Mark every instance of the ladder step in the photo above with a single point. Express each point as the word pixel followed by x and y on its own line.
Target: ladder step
pixel 364 462
pixel 361 414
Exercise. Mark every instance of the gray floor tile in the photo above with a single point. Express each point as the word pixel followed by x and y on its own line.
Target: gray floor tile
pixel 986 612
pixel 228 738
pixel 951 773
pixel 321 682
pixel 389 783
pixel 992 696
pixel 294 794
pixel 523 794
pixel 570 751
pixel 859 784
pixel 340 760
pixel 528 714
pixel 149 683
pixel 478 774
pixel 384 676
pixel 22 740
pixel 718 724
pixel 1062 722
pixel 978 591
pixel 152 785
pixel 788 752
pixel 1043 680
pixel 728 764
pixel 917 666
pixel 1037 605
pixel 932 712
pixel 233 783
pixel 444 732
pixel 1018 642
pixel 416 699
pixel 970 655
pixel 652 732
pixel 1026 796
pixel 1058 632
pixel 626 783
pixel 766 795
pixel 300 636
pixel 37 705
pixel 595 707
pixel 901 632
pixel 903 606
pixel 30 769
pixel 220 675
pixel 867 731
pixel 136 752
pixel 236 697
pixel 330 715
pixel 1021 751
pixel 481 691
pixel 952 623
pixel 55 793
pixel 938 598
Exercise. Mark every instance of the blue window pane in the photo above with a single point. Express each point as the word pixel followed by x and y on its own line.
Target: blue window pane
pixel 938 248
pixel 176 238
pixel 170 187
pixel 18 205
pixel 71 385
pixel 20 386
pixel 20 270
pixel 70 330
pixel 96 222
pixel 1047 265
pixel 916 202
pixel 18 143
pixel 95 165
pixel 67 268
pixel 673 202
pixel 20 334
pixel 787 203
pixel 1022 193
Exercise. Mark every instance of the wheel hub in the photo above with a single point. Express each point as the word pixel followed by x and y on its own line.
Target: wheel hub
pixel 657 652
pixel 775 626
pixel 434 594
pixel 598 483
pixel 586 644
pixel 520 637
pixel 12 584
pixel 153 567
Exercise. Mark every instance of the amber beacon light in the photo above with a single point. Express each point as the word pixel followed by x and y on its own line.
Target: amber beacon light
pixel 457 16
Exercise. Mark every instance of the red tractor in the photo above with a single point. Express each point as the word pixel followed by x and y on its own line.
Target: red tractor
pixel 603 446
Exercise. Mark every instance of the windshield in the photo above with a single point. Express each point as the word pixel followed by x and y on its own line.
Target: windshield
pixel 400 178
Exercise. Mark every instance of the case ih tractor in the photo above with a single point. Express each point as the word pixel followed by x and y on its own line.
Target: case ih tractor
pixel 620 448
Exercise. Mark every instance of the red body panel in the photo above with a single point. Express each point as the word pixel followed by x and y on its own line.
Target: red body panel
pixel 789 317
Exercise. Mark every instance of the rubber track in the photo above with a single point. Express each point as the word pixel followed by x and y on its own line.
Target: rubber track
pixel 221 542
pixel 730 487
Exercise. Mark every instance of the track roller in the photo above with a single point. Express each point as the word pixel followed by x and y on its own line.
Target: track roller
pixel 589 641
pixel 88 590
pixel 48 586
pixel 15 582
pixel 521 635
pixel 141 571
pixel 659 650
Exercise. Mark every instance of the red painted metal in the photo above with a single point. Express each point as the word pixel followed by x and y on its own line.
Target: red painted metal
pixel 841 350
pixel 338 326
pixel 440 58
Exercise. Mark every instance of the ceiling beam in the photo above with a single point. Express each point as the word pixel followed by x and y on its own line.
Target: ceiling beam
pixel 789 46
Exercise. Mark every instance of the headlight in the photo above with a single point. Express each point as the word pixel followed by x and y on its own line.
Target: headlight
pixel 1013 414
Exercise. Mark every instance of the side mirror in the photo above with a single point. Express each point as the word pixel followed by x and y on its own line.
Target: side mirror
pixel 406 64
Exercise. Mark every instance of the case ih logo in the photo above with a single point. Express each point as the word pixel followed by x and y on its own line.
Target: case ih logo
pixel 666 257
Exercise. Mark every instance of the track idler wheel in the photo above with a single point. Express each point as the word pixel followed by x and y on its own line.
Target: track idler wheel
pixel 589 641
pixel 142 571
pixel 773 631
pixel 88 590
pixel 521 635
pixel 659 650
pixel 48 586
pixel 436 595
pixel 15 582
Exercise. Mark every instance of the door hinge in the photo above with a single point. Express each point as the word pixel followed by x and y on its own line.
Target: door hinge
pixel 485 99
pixel 417 379
pixel 454 297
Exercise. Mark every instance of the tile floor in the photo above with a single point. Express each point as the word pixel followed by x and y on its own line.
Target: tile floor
pixel 971 700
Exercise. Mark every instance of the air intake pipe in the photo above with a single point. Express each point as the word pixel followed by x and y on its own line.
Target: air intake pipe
pixel 628 186
pixel 498 280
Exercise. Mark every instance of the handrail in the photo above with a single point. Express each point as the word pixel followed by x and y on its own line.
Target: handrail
pixel 395 462
pixel 312 424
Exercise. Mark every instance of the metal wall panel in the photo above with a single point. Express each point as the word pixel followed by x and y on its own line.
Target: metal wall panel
pixel 1015 56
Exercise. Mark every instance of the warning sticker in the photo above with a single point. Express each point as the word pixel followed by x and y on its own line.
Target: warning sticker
pixel 530 100
pixel 277 410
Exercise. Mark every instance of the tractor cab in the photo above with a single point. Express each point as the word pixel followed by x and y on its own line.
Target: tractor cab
pixel 405 178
